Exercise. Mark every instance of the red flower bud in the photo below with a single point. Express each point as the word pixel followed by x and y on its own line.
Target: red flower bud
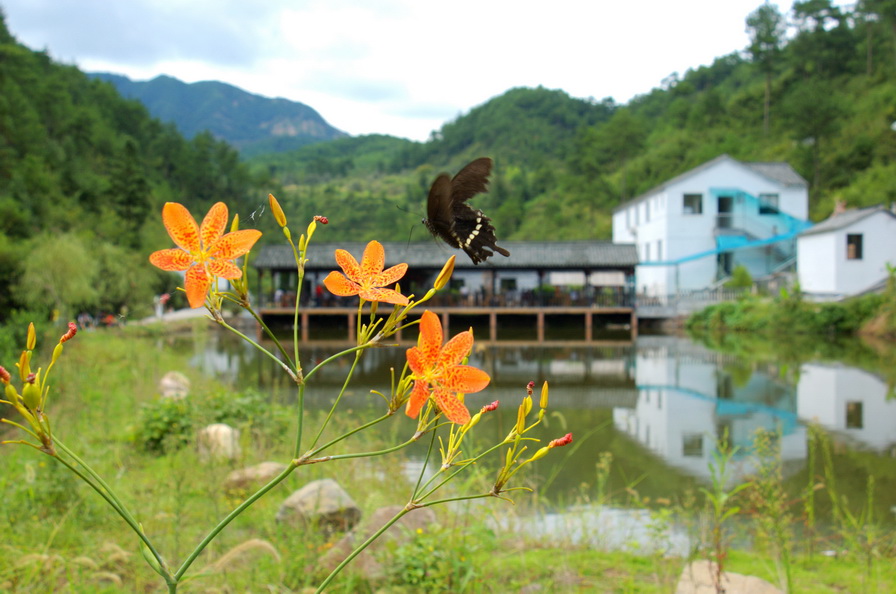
pixel 529 387
pixel 31 377
pixel 485 409
pixel 72 330
pixel 321 219
pixel 561 441
pixel 4 375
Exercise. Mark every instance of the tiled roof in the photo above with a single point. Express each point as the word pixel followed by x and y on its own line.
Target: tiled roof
pixel 780 172
pixel 845 219
pixel 529 255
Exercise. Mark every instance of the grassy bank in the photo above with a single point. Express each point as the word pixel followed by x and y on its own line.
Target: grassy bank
pixel 58 535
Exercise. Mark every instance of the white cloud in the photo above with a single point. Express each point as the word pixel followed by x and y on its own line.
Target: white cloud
pixel 400 67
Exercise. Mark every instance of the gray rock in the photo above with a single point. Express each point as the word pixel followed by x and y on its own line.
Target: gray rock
pixel 322 503
pixel 697 578
pixel 174 385
pixel 219 441
pixel 252 477
pixel 366 563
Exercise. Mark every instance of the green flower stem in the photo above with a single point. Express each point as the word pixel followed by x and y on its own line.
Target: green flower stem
pixel 361 548
pixel 329 417
pixel 461 468
pixel 112 500
pixel 300 418
pixel 270 334
pixel 336 356
pixel 299 256
pixel 350 433
pixel 230 517
pixel 307 460
pixel 96 477
pixel 285 366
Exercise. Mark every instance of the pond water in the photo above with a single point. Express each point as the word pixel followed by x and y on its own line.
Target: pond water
pixel 658 405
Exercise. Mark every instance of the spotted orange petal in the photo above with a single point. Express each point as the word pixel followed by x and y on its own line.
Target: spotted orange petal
pixel 213 225
pixel 466 379
pixel 224 269
pixel 456 349
pixel 430 341
pixel 418 398
pixel 373 260
pixel 233 245
pixel 452 406
pixel 339 285
pixel 196 283
pixel 349 265
pixel 416 362
pixel 171 259
pixel 389 276
pixel 181 226
pixel 384 295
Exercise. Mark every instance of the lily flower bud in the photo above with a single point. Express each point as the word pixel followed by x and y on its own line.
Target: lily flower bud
pixel 72 330
pixel 445 274
pixel 561 441
pixel 279 216
pixel 32 337
pixel 543 404
pixel 4 375
pixel 31 392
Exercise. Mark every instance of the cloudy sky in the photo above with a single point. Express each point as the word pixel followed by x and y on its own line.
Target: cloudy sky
pixel 400 67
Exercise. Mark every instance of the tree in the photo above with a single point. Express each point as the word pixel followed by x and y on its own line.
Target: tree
pixel 766 27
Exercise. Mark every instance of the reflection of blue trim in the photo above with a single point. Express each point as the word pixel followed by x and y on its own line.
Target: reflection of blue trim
pixel 789 420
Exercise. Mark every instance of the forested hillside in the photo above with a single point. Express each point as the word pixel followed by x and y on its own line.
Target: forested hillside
pixel 251 123
pixel 821 97
pixel 83 176
pixel 84 173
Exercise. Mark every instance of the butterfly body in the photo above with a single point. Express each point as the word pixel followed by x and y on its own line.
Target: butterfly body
pixel 457 223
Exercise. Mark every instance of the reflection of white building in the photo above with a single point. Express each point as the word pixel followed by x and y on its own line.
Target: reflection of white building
pixel 850 401
pixel 680 415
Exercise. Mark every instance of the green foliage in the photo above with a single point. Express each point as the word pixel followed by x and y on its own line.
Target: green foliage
pixel 82 170
pixel 165 425
pixel 788 314
pixel 740 278
pixel 432 562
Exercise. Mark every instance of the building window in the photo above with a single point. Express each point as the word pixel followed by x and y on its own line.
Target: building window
pixel 647 211
pixel 768 204
pixel 854 415
pixel 647 252
pixel 692 445
pixel 692 204
pixel 854 246
pixel 659 249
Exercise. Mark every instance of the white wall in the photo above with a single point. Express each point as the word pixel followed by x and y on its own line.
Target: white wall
pixel 822 264
pixel 660 217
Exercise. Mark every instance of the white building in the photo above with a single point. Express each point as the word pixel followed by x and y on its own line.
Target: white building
pixel 692 230
pixel 848 253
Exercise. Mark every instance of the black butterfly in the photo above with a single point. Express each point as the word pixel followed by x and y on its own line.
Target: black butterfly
pixel 455 221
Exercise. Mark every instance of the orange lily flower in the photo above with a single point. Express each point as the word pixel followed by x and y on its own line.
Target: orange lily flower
pixel 205 251
pixel 367 279
pixel 437 366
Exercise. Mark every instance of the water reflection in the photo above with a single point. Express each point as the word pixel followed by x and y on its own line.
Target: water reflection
pixel 659 405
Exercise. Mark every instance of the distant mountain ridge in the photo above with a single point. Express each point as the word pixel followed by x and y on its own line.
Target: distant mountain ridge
pixel 251 123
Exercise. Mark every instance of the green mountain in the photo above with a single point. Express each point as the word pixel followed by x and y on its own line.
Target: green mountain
pixel 815 88
pixel 251 123
pixel 83 177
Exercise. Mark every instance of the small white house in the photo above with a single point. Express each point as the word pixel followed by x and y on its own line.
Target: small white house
pixel 692 230
pixel 847 253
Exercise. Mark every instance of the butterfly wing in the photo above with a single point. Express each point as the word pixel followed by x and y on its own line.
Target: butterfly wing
pixel 456 222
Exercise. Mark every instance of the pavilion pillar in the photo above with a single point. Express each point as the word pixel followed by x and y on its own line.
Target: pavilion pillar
pixel 540 324
pixel 493 325
pixel 589 319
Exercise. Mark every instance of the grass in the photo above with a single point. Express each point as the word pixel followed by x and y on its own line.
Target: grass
pixel 58 535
